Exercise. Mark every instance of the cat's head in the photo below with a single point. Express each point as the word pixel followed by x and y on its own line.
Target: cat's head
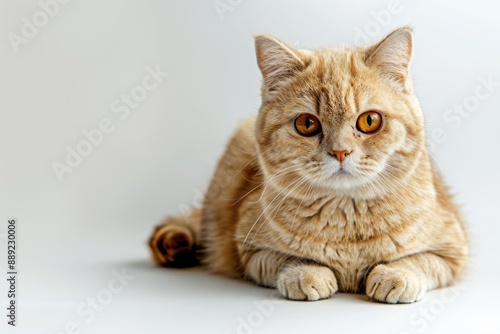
pixel 343 118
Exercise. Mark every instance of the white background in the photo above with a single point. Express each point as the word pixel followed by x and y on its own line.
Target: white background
pixel 74 233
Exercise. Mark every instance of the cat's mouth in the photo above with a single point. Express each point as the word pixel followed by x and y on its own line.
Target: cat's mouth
pixel 341 172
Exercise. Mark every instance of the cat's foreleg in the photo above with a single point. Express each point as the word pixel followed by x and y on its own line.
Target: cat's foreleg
pixel 406 280
pixel 295 278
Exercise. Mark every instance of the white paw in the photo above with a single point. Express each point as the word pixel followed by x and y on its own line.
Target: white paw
pixel 307 282
pixel 395 285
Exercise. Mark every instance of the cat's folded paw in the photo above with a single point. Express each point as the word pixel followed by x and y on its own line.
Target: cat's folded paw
pixel 395 285
pixel 307 282
pixel 173 246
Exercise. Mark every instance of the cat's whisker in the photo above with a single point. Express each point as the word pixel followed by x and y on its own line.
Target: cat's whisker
pixel 284 172
pixel 304 195
pixel 257 156
pixel 424 148
pixel 258 218
pixel 400 183
pixel 277 207
pixel 300 204
pixel 404 202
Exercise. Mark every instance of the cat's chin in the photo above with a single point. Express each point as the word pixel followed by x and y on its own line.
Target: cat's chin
pixel 344 181
pixel 341 173
pixel 347 182
pixel 341 180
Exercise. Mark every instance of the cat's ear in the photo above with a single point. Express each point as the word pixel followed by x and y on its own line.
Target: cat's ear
pixel 393 54
pixel 276 60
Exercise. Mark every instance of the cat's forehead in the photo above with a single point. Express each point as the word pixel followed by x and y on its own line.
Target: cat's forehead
pixel 334 84
pixel 337 61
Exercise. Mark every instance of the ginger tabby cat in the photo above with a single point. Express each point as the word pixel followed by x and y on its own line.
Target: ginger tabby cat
pixel 331 188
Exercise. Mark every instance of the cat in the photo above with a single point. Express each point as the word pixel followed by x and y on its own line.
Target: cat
pixel 331 187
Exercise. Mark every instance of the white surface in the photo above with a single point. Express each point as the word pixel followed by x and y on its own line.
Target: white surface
pixel 157 160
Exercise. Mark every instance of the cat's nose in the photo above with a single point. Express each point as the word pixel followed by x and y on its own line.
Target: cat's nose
pixel 340 155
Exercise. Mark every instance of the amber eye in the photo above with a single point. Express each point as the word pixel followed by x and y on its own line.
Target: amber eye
pixel 369 122
pixel 307 125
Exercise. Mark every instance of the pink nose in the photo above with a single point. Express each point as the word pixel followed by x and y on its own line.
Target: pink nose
pixel 340 155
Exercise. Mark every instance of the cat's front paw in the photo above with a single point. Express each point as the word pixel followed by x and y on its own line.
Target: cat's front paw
pixel 307 282
pixel 395 285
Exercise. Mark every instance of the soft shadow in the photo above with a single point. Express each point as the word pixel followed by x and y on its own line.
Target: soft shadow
pixel 148 265
pixel 195 281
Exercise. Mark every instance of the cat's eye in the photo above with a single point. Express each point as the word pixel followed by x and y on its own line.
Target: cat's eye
pixel 307 125
pixel 369 122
